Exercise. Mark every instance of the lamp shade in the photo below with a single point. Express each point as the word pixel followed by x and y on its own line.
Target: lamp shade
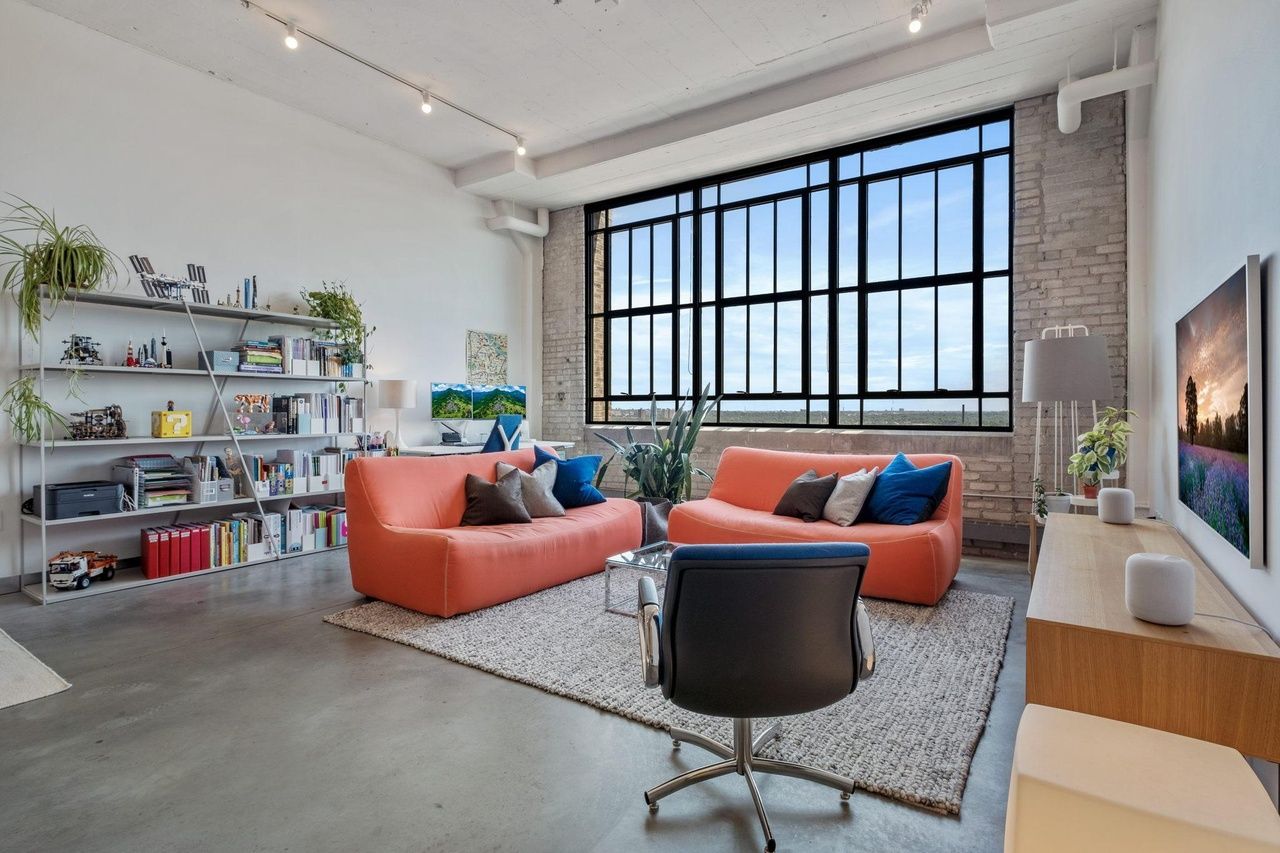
pixel 398 393
pixel 1061 370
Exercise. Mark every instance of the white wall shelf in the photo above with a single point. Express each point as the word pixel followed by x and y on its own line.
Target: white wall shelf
pixel 153 372
pixel 219 415
pixel 132 578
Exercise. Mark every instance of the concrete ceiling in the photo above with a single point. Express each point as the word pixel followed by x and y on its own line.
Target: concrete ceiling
pixel 618 97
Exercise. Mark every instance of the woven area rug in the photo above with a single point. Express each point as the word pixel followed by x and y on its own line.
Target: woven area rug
pixel 22 675
pixel 909 732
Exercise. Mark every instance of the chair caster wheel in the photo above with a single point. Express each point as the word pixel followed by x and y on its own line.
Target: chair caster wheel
pixel 844 796
pixel 653 808
pixel 675 744
pixel 770 845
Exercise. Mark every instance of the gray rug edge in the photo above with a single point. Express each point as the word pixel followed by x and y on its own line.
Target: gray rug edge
pixel 941 808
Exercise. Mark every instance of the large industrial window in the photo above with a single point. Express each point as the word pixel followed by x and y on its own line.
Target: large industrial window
pixel 865 286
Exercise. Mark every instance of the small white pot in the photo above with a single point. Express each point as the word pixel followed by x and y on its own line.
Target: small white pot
pixel 1058 503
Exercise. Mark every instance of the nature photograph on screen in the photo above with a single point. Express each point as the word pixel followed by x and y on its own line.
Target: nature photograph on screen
pixel 450 401
pixel 489 401
pixel 1213 411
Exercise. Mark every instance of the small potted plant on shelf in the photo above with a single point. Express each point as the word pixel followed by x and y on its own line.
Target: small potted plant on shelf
pixel 334 302
pixel 1102 450
pixel 49 262
pixel 662 470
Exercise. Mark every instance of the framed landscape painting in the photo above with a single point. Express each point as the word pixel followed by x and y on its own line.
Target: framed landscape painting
pixel 1220 406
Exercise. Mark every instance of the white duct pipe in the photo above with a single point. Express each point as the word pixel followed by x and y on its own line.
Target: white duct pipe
pixel 1072 93
pixel 522 226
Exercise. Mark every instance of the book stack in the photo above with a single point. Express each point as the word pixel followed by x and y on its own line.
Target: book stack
pixel 260 357
pixel 181 548
pixel 269 479
pixel 314 357
pixel 319 413
pixel 315 526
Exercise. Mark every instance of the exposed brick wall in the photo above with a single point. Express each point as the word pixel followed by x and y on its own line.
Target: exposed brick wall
pixel 1069 265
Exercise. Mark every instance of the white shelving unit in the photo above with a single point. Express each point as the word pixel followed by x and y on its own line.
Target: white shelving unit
pixel 218 415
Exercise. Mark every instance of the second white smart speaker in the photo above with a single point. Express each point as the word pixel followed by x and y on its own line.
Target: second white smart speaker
pixel 1160 588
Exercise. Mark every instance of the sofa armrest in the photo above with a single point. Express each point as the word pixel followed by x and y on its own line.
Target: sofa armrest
pixel 401 565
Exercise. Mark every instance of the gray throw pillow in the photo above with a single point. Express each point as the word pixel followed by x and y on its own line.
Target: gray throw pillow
pixel 848 497
pixel 535 489
pixel 494 503
pixel 806 496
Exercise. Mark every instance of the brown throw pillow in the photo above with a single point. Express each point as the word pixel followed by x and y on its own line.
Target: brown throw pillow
pixel 806 496
pixel 494 503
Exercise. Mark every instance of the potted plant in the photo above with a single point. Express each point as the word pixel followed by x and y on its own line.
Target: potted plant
pixel 334 302
pixel 45 261
pixel 662 469
pixel 1102 450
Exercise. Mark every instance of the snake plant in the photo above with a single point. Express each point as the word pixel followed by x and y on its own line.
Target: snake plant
pixel 663 468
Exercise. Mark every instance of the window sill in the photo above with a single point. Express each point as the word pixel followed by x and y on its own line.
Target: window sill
pixel 713 429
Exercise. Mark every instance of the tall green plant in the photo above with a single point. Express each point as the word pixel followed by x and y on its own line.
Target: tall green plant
pixel 334 302
pixel 663 468
pixel 1104 448
pixel 46 260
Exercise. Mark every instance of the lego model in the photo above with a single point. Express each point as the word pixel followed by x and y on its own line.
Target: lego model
pixel 102 423
pixel 81 349
pixel 77 569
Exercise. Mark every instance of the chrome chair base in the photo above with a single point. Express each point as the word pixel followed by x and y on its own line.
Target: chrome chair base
pixel 743 759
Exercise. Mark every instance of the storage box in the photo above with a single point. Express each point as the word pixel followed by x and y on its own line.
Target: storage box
pixel 171 424
pixel 220 361
pixel 212 491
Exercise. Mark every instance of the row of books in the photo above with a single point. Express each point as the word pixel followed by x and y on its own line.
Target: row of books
pixel 259 357
pixel 244 537
pixel 318 413
pixel 297 471
pixel 314 357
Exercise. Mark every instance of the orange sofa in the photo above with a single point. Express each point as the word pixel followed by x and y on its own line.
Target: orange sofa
pixel 405 545
pixel 913 563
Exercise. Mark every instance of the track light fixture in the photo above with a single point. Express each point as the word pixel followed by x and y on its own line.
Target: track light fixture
pixel 918 13
pixel 428 100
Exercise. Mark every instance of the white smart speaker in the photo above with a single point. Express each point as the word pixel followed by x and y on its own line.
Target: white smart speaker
pixel 1160 588
pixel 1115 506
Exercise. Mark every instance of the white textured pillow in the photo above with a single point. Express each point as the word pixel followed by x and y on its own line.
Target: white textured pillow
pixel 535 488
pixel 850 494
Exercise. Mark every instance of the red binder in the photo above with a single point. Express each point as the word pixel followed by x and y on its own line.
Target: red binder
pixel 184 549
pixel 150 553
pixel 175 551
pixel 200 536
pixel 163 552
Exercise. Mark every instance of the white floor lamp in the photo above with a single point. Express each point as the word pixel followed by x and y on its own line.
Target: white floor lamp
pixel 397 394
pixel 1067 365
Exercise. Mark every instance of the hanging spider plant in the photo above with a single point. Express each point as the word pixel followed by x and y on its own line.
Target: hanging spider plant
pixel 29 413
pixel 46 260
pixel 663 469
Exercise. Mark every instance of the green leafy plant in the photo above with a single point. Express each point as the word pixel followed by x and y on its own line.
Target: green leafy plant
pixel 334 302
pixel 1104 448
pixel 663 468
pixel 1038 503
pixel 28 412
pixel 47 260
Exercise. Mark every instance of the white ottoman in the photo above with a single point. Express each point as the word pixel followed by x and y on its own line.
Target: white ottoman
pixel 1088 783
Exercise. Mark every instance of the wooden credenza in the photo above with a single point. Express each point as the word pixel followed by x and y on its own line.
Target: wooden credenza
pixel 1213 679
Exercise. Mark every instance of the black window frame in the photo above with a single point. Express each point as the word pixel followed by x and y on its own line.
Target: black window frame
pixel 599 318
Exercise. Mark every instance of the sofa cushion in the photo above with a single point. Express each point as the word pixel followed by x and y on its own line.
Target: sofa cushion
pixel 494 503
pixel 850 493
pixel 806 496
pixel 535 489
pixel 905 494
pixel 574 487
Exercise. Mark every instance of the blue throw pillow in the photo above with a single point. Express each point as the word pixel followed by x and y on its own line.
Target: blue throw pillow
pixel 573 486
pixel 905 494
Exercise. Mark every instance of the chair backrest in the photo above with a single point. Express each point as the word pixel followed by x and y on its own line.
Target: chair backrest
pixel 761 630
pixel 509 424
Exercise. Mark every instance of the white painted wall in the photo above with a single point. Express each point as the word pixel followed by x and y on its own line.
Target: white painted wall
pixel 164 161
pixel 1215 198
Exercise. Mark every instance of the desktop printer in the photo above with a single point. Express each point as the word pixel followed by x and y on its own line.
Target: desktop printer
pixel 73 500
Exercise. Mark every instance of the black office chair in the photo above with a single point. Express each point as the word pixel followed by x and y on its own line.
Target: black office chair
pixel 755 631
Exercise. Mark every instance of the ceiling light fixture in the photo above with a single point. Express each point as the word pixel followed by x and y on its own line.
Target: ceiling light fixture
pixel 428 100
pixel 918 13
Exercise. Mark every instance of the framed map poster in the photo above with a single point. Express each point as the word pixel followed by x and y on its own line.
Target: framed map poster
pixel 486 358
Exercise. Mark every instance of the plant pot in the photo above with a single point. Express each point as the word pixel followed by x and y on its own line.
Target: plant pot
pixel 1090 490
pixel 655 512
pixel 1058 503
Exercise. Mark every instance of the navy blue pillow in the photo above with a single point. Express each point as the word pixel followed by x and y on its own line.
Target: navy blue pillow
pixel 905 494
pixel 573 486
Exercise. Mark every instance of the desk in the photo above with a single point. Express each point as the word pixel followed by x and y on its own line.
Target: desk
pixel 455 449
pixel 1213 679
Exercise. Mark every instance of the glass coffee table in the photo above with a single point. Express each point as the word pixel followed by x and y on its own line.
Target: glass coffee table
pixel 624 570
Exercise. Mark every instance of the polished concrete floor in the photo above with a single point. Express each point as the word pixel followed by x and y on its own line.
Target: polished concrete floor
pixel 220 713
